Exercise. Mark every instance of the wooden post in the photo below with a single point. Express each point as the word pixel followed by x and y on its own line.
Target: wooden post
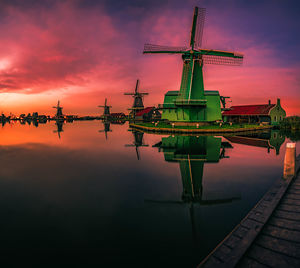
pixel 289 168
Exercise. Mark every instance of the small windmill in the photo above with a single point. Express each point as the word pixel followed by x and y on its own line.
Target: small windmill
pixel 106 112
pixel 191 95
pixel 138 98
pixel 138 142
pixel 59 114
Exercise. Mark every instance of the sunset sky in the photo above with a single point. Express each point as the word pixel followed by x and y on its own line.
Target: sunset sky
pixel 81 51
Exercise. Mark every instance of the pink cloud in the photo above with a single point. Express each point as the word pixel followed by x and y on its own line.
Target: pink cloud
pixel 62 47
pixel 82 56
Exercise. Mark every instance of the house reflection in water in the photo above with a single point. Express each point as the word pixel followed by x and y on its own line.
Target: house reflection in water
pixel 270 139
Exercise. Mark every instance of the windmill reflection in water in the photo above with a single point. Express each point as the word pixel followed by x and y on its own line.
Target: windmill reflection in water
pixel 192 152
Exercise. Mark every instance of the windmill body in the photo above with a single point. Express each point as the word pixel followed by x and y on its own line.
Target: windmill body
pixel 137 99
pixel 106 112
pixel 192 103
pixel 59 113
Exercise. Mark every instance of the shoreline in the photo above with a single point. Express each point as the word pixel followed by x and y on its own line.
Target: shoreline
pixel 197 130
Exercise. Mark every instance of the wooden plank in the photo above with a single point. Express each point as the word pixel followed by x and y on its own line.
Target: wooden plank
pixel 289 208
pixel 271 258
pixel 233 241
pixel 284 223
pixel 223 253
pixel 293 191
pixel 282 233
pixel 241 232
pixel 251 224
pixel 293 196
pixel 288 201
pixel 291 249
pixel 287 215
pixel 251 263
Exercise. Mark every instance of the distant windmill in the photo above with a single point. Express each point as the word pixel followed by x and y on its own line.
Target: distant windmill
pixel 138 142
pixel 106 112
pixel 59 113
pixel 138 98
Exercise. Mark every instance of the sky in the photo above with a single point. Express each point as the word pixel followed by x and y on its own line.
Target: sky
pixel 83 51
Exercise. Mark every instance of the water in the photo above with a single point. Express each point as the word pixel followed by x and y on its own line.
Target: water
pixel 75 196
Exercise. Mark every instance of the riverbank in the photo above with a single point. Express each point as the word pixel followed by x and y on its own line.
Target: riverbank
pixel 162 127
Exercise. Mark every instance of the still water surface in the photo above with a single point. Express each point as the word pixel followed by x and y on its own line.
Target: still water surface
pixel 74 195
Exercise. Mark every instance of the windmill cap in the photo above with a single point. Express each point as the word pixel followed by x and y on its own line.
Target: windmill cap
pixel 238 54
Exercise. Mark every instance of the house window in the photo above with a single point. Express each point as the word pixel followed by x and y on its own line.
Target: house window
pixel 280 118
pixel 275 118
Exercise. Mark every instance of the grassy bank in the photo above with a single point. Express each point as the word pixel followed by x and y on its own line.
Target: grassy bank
pixel 165 127
pixel 290 123
pixel 215 126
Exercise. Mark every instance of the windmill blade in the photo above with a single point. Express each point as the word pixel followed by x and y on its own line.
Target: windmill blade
pixel 136 86
pixel 164 202
pixel 219 201
pixel 221 60
pixel 150 48
pixel 199 27
pixel 137 153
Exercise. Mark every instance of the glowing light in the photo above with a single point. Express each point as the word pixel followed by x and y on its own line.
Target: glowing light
pixel 4 64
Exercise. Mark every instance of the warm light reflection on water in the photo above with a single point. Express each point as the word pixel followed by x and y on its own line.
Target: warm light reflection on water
pixel 87 199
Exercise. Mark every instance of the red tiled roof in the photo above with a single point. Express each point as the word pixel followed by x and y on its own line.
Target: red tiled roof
pixel 262 109
pixel 144 111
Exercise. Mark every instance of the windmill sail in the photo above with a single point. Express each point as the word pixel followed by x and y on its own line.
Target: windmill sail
pixel 150 48
pixel 137 86
pixel 221 60
pixel 199 27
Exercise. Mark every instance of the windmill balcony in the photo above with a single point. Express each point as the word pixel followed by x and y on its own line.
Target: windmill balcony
pixel 166 106
pixel 192 102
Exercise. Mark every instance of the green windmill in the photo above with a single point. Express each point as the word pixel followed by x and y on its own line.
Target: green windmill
pixel 192 103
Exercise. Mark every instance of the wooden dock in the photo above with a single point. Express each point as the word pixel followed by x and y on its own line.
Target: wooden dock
pixel 269 236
